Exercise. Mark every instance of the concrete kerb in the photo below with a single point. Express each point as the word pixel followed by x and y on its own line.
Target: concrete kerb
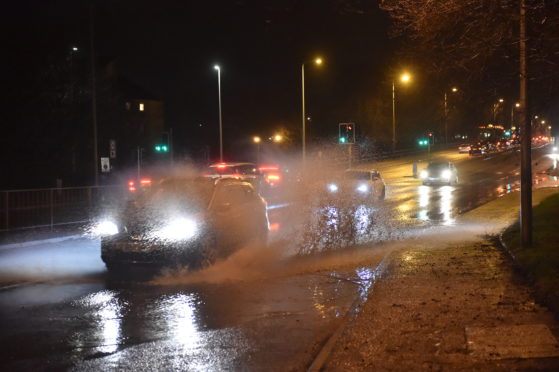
pixel 324 353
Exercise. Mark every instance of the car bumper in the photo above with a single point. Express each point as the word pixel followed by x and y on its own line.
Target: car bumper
pixel 434 180
pixel 129 252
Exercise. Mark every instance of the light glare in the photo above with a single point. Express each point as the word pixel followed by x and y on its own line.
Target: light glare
pixel 106 228
pixel 363 188
pixel 178 229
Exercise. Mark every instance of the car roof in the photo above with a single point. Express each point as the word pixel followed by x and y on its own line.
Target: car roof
pixel 362 170
pixel 231 164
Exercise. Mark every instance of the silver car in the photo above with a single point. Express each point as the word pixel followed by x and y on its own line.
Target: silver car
pixel 439 172
pixel 359 183
pixel 184 222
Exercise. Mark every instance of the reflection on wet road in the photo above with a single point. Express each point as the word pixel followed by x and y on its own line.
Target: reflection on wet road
pixel 278 323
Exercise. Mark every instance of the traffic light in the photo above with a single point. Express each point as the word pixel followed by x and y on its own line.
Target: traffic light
pixel 346 133
pixel 161 148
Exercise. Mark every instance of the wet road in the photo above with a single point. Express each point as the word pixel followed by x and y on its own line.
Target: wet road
pixel 262 309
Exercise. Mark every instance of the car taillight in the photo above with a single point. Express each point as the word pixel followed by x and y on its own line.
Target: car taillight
pixel 145 182
pixel 273 177
pixel 131 186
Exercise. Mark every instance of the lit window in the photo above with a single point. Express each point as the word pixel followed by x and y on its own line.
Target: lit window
pixel 141 107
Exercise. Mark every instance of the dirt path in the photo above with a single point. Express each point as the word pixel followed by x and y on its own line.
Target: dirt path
pixel 458 308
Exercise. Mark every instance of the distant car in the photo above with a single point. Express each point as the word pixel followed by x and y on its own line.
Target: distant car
pixel 440 172
pixel 184 222
pixel 360 183
pixel 273 175
pixel 464 148
pixel 241 170
pixel 477 149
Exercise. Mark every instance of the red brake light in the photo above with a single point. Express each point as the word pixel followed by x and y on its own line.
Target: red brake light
pixel 268 167
pixel 145 182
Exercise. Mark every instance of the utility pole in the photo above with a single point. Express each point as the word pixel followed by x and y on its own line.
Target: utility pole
pixel 393 117
pixel 526 140
pixel 93 95
pixel 445 120
pixel 303 123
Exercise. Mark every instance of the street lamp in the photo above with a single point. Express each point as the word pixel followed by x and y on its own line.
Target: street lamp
pixel 257 140
pixel 277 138
pixel 318 62
pixel 405 78
pixel 453 90
pixel 516 105
pixel 216 67
pixel 495 106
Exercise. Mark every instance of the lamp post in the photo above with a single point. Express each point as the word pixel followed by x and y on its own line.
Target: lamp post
pixel 404 78
pixel 495 106
pixel 216 67
pixel 257 140
pixel 517 105
pixel 317 61
pixel 453 90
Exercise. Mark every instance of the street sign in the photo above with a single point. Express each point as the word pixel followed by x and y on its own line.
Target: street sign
pixel 105 165
pixel 112 149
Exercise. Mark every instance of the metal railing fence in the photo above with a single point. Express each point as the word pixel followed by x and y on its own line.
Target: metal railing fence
pixel 20 209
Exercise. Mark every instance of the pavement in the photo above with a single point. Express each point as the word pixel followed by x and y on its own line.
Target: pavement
pixel 30 237
pixel 452 303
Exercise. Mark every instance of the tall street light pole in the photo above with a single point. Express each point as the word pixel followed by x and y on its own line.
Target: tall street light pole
pixel 93 95
pixel 317 61
pixel 495 107
pixel 257 140
pixel 517 105
pixel 404 78
pixel 216 67
pixel 454 90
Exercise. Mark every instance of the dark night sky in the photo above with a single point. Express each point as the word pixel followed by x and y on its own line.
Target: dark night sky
pixel 169 48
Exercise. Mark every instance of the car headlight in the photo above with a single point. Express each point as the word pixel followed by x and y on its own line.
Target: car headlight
pixel 332 187
pixel 446 174
pixel 423 174
pixel 180 228
pixel 105 228
pixel 363 188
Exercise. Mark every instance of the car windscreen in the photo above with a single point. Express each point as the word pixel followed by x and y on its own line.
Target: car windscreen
pixel 360 176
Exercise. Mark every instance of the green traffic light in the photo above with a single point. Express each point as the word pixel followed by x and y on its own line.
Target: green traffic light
pixel 164 148
pixel 157 148
pixel 342 139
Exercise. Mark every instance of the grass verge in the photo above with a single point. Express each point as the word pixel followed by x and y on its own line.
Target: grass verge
pixel 541 261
